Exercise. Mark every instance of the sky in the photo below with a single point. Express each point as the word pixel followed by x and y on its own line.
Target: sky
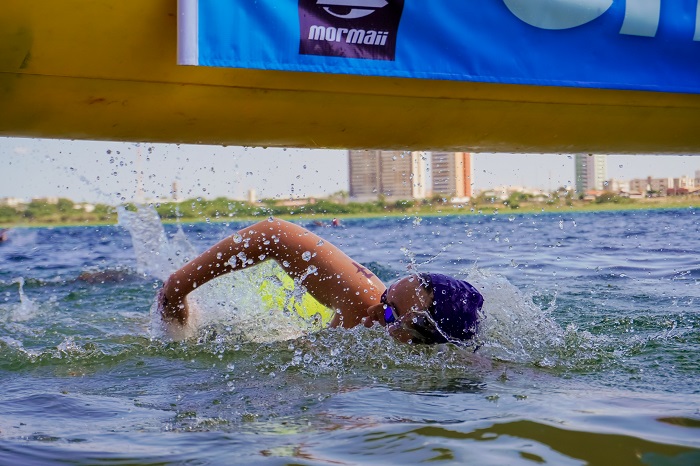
pixel 107 172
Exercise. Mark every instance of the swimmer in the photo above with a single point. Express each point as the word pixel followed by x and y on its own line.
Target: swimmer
pixel 424 308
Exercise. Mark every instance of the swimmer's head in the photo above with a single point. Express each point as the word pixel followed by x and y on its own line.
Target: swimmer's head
pixel 431 308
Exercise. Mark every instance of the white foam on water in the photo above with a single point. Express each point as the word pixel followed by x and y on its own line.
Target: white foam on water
pixel 156 255
pixel 26 308
pixel 515 329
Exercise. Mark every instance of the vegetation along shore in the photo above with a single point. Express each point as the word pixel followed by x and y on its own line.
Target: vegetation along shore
pixel 66 212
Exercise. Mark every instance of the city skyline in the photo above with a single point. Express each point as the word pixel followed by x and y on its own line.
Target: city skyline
pixel 106 172
pixel 409 175
pixel 394 174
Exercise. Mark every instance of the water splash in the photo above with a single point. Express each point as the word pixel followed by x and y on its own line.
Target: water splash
pixel 232 304
pixel 237 307
pixel 155 255
pixel 250 305
pixel 26 308
pixel 515 329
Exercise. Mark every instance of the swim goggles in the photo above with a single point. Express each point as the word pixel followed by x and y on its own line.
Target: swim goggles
pixel 390 315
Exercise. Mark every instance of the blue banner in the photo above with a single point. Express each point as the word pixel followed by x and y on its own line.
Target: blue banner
pixel 611 44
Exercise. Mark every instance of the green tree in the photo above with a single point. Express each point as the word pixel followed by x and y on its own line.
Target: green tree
pixel 403 205
pixel 65 205
pixel 9 214
pixel 39 209
pixel 608 197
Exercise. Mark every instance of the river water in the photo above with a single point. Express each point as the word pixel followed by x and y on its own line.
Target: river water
pixel 590 350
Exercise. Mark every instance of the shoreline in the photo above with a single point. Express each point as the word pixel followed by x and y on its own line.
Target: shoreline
pixel 449 211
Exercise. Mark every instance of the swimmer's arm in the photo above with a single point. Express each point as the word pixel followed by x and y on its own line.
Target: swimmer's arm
pixel 200 270
pixel 330 276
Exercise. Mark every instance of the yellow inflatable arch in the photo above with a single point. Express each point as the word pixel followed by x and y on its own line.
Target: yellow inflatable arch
pixel 106 70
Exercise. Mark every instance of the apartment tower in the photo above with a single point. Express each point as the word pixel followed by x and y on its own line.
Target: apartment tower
pixel 452 174
pixel 393 174
pixel 591 172
pixel 364 174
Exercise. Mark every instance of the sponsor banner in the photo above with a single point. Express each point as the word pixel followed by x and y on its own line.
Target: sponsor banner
pixel 613 44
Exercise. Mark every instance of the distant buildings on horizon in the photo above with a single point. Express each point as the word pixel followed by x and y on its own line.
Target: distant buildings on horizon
pixel 20 203
pixel 592 178
pixel 403 175
pixel 398 175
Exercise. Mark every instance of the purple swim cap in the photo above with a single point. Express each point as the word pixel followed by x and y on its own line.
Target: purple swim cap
pixel 455 309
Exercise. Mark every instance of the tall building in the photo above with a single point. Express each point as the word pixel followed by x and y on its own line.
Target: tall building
pixel 591 172
pixel 252 196
pixel 452 174
pixel 394 174
pixel 402 174
pixel 364 174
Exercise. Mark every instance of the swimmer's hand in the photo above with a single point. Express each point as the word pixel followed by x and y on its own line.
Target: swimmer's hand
pixel 172 310
pixel 374 314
